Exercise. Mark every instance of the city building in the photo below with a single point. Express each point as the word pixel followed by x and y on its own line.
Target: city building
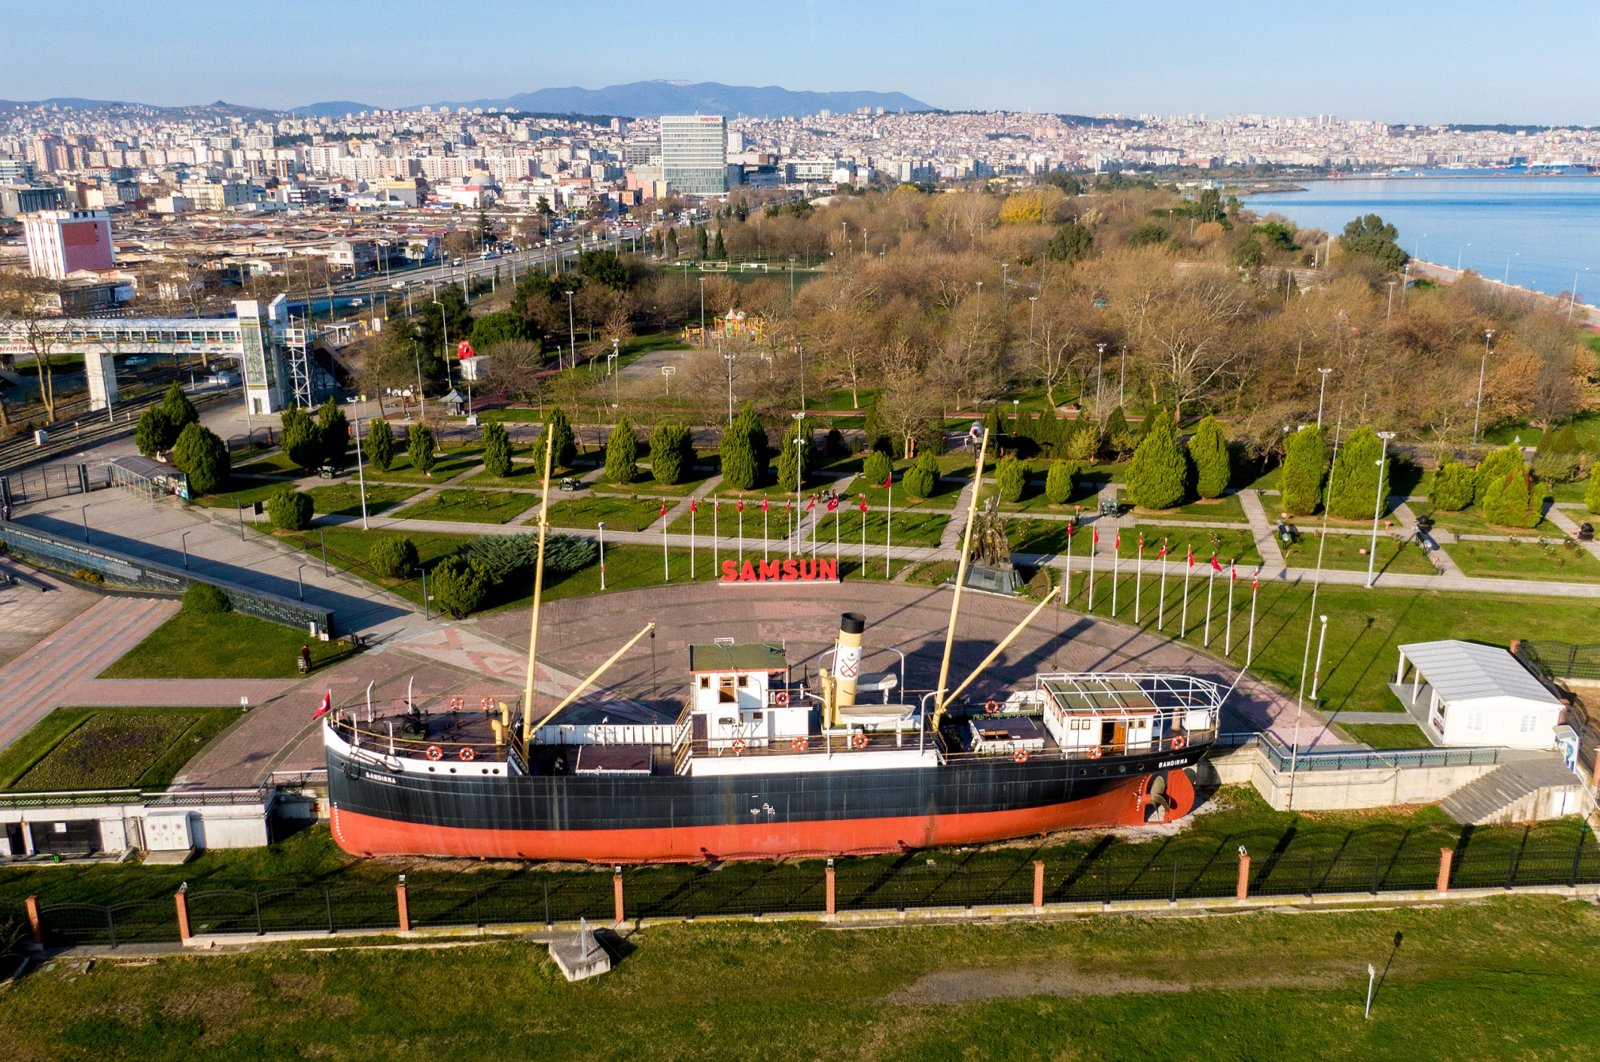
pixel 694 154
pixel 17 200
pixel 61 242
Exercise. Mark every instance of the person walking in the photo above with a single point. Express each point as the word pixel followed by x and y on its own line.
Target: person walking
pixel 305 660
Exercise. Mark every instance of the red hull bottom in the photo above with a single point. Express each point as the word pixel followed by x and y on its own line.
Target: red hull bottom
pixel 1122 805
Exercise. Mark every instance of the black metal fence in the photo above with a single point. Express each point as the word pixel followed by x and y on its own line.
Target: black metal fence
pixel 1558 660
pixel 917 881
pixel 53 481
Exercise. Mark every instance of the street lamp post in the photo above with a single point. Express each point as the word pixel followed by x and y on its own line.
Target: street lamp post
pixel 1377 508
pixel 800 356
pixel 572 332
pixel 361 475
pixel 611 369
pixel 1389 307
pixel 799 466
pixel 702 309
pixel 1122 372
pixel 1033 301
pixel 1321 389
pixel 1483 365
pixel 183 541
pixel 1505 278
pixel 1099 380
pixel 444 323
pixel 1572 298
pixel 730 358
pixel 1316 672
pixel 1459 252
pixel 603 557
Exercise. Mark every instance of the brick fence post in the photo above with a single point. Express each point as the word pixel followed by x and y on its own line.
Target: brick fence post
pixel 616 895
pixel 1242 890
pixel 180 899
pixel 35 925
pixel 402 905
pixel 1038 884
pixel 1446 857
pixel 1594 779
pixel 831 906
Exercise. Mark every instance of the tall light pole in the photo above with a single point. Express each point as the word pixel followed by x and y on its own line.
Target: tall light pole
pixel 612 363
pixel 702 310
pixel 1389 308
pixel 1321 389
pixel 183 540
pixel 1572 298
pixel 361 475
pixel 572 331
pixel 800 355
pixel 603 558
pixel 444 323
pixel 1505 278
pixel 1099 380
pixel 1122 373
pixel 730 358
pixel 1377 507
pixel 1459 252
pixel 1483 365
pixel 1033 301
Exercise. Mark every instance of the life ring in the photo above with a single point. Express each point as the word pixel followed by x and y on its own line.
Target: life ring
pixel 1095 752
pixel 1020 756
pixel 435 752
pixel 467 755
pixel 487 704
pixel 1178 743
pixel 991 707
pixel 859 741
pixel 457 703
pixel 799 744
pixel 739 745
pixel 781 698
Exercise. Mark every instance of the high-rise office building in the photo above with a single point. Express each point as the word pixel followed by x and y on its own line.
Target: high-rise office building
pixel 64 241
pixel 694 154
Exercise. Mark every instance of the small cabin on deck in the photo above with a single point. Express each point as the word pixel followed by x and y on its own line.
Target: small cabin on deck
pixel 740 691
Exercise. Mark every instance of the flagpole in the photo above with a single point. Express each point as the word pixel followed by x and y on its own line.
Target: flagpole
pixel 1138 582
pixel 763 530
pixel 1211 582
pixel 836 517
pixel 1183 622
pixel 716 539
pixel 692 506
pixel 741 532
pixel 1227 639
pixel 666 572
pixel 1161 599
pixel 1116 567
pixel 1250 643
pixel 863 534
pixel 888 528
pixel 1094 547
pixel 1066 580
pixel 788 530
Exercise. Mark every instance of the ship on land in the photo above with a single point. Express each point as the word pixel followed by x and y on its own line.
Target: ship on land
pixel 759 764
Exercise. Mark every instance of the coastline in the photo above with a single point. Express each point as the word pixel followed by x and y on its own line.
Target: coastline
pixel 1583 312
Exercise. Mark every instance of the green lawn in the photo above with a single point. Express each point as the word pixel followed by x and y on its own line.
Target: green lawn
pixel 277 464
pixel 1050 536
pixel 450 463
pixel 1468 522
pixel 912 527
pixel 344 499
pixel 349 548
pixel 109 748
pixel 1227 508
pixel 1388 735
pixel 469 505
pixel 226 645
pixel 1526 559
pixel 243 490
pixel 1344 552
pixel 584 510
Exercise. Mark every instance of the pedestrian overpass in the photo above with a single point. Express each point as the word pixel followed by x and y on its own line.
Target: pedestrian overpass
pixel 272 349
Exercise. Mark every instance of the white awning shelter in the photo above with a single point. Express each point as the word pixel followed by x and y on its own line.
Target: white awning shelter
pixel 1478 695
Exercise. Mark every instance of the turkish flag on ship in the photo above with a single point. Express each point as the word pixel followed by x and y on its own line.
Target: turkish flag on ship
pixel 325 706
pixel 833 503
pixel 1214 565
pixel 464 350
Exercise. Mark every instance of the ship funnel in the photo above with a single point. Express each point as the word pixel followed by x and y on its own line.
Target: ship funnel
pixel 847 658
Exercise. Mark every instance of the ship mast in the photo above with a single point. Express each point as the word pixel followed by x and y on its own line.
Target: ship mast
pixel 538 592
pixel 940 698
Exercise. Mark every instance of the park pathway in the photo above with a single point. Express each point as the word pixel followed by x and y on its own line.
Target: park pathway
pixel 1261 531
pixel 1442 560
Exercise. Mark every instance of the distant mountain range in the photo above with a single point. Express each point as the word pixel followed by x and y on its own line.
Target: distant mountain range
pixel 639 99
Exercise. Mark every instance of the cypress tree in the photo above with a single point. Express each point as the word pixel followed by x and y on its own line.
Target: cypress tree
pixel 203 457
pixel 1119 436
pixel 1059 482
pixel 719 249
pixel 300 442
pixel 1494 466
pixel 1156 476
pixel 1305 462
pixel 566 445
pixel 671 452
pixel 791 452
pixel 379 445
pixel 1453 487
pixel 179 411
pixel 876 468
pixel 1559 458
pixel 419 447
pixel 333 434
pixel 1208 451
pixel 622 453
pixel 739 469
pixel 1512 499
pixel 1591 493
pixel 922 477
pixel 496 449
pixel 1353 491
pixel 1011 478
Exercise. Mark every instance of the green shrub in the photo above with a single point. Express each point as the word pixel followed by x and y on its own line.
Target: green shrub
pixel 1119 436
pixel 1453 487
pixel 922 477
pixel 622 453
pixel 1513 500
pixel 1208 453
pixel 1305 462
pixel 203 457
pixel 509 556
pixel 393 557
pixel 154 433
pixel 496 449
pixel 206 599
pixel 1591 493
pixel 1559 459
pixel 333 434
pixel 1082 442
pixel 1158 472
pixel 876 467
pixel 1494 466
pixel 1011 478
pixel 290 510
pixel 1060 481
pixel 1353 490
pixel 300 440
pixel 744 451
pixel 378 448
pixel 671 452
pixel 420 445
pixel 458 585
pixel 566 444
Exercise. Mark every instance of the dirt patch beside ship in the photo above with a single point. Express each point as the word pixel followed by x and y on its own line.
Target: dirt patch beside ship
pixel 968 986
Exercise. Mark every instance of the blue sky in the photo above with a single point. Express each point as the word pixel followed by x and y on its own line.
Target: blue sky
pixel 1466 61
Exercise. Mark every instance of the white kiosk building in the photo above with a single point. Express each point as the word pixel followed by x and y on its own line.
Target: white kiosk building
pixel 1462 693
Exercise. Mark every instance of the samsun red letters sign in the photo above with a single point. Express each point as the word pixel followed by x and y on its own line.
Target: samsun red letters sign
pixel 784 571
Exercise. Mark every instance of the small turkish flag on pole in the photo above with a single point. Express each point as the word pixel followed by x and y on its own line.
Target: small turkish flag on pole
pixel 833 503
pixel 1117 542
pixel 694 506
pixel 663 508
pixel 1214 565
pixel 1163 552
pixel 1096 535
pixel 763 505
pixel 325 706
pixel 741 505
pixel 888 480
pixel 811 503
pixel 863 503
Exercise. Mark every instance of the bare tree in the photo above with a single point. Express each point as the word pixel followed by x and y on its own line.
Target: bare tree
pixel 27 305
